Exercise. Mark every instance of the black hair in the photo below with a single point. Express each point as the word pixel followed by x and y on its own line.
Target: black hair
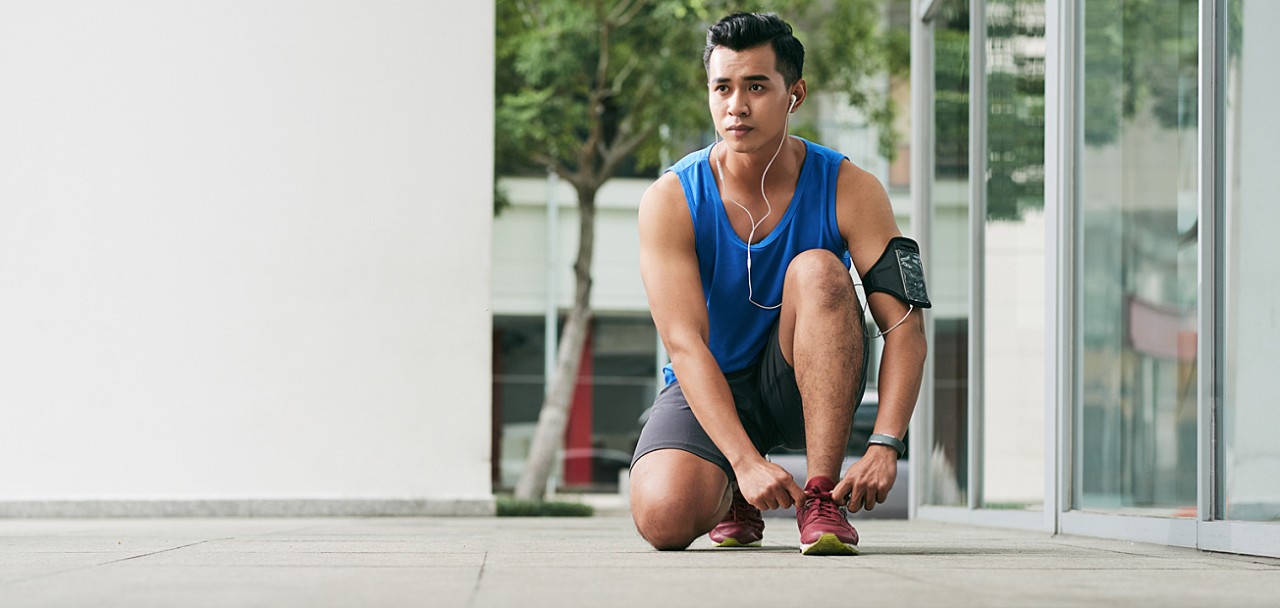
pixel 742 31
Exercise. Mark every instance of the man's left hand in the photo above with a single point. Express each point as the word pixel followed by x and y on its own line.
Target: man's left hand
pixel 868 481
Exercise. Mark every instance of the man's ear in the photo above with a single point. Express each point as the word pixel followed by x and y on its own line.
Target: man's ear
pixel 799 91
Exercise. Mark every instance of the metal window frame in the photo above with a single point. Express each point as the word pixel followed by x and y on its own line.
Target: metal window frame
pixel 1059 188
pixel 1070 300
pixel 922 162
pixel 1209 167
pixel 977 242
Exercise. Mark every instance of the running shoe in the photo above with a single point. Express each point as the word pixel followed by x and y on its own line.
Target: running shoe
pixel 742 526
pixel 824 528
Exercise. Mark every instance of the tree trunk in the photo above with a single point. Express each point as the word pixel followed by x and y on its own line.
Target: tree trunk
pixel 548 437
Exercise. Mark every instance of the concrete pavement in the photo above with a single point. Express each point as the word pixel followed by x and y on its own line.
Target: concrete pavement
pixel 597 562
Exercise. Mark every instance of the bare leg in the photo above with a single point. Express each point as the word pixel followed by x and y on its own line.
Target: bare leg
pixel 677 497
pixel 821 336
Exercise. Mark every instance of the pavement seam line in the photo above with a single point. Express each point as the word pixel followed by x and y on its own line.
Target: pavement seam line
pixel 125 559
pixel 114 561
pixel 475 591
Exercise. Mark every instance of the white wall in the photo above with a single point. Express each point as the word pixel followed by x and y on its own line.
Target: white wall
pixel 245 250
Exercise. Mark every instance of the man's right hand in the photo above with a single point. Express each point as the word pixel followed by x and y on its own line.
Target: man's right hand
pixel 767 486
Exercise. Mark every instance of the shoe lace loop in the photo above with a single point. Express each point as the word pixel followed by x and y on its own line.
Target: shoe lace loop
pixel 820 505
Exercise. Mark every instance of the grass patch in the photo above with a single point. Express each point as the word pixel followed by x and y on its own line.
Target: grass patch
pixel 511 507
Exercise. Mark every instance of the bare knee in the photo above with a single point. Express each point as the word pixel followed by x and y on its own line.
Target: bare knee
pixel 676 497
pixel 663 531
pixel 822 277
pixel 671 521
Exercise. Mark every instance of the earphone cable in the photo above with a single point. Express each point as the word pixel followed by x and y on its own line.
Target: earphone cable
pixel 768 211
pixel 865 301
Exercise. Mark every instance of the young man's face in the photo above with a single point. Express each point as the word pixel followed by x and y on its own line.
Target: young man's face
pixel 748 97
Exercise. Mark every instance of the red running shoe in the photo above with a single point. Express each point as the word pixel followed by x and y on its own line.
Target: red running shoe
pixel 742 526
pixel 824 530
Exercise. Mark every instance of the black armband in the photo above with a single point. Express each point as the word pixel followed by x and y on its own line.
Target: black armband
pixel 899 273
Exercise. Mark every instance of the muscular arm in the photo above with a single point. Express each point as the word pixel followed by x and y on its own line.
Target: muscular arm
pixel 669 268
pixel 866 223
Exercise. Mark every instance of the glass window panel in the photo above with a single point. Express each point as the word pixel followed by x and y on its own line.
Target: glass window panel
pixel 1136 303
pixel 615 385
pixel 946 466
pixel 517 392
pixel 1013 258
pixel 1250 458
pixel 623 355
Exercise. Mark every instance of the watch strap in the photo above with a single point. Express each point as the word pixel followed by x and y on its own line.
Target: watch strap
pixel 889 440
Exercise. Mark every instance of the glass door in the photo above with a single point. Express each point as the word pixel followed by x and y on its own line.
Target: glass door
pixel 1137 232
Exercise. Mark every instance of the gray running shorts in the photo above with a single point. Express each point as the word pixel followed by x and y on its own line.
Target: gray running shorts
pixel 768 403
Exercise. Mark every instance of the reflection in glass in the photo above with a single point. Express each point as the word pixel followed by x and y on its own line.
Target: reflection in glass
pixel 1137 231
pixel 623 352
pixel 615 385
pixel 946 481
pixel 1013 258
pixel 518 387
pixel 1250 457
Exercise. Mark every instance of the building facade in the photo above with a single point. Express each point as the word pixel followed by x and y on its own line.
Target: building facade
pixel 1114 314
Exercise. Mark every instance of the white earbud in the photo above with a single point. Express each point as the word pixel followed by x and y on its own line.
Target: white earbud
pixel 793 104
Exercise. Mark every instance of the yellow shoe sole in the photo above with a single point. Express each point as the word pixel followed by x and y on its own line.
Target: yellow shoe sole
pixel 733 542
pixel 828 544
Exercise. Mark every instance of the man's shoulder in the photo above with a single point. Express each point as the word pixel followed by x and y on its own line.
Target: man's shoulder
pixel 666 187
pixel 678 184
pixel 824 151
pixel 854 181
pixel 828 156
pixel 664 196
pixel 664 215
pixel 690 161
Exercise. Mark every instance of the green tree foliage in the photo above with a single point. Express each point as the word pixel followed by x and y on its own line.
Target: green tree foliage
pixel 951 91
pixel 1140 55
pixel 585 85
pixel 1015 102
pixel 849 51
pixel 1015 108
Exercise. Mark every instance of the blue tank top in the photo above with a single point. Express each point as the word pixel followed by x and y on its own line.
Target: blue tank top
pixel 739 330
